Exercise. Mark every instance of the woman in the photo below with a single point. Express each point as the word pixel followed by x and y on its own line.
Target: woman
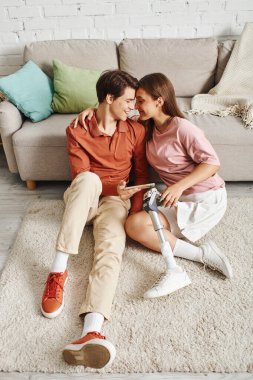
pixel 195 198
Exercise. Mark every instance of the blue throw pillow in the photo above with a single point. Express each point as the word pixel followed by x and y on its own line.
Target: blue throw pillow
pixel 31 90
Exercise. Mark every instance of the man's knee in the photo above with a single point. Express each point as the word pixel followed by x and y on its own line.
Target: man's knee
pixel 86 185
pixel 88 178
pixel 87 181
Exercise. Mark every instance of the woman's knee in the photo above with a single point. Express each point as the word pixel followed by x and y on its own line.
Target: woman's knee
pixel 135 223
pixel 129 224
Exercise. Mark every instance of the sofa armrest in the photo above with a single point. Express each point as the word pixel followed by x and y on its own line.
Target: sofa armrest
pixel 10 121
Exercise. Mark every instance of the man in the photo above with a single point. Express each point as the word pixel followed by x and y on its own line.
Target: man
pixel 100 157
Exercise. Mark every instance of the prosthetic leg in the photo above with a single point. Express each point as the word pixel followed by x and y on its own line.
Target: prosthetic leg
pixel 150 205
pixel 174 277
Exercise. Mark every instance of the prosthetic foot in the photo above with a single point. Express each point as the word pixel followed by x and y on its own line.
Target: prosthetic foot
pixel 170 281
pixel 174 277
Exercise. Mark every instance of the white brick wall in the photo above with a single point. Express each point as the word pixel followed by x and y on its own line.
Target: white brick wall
pixel 61 10
pixel 23 21
pixel 94 8
pixel 129 7
pixel 24 12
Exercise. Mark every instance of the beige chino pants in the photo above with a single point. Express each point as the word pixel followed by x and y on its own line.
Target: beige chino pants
pixel 108 215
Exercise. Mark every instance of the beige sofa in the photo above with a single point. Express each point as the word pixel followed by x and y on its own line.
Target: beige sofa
pixel 37 151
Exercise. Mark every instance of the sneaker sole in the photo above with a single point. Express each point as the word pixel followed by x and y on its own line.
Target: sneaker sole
pixel 223 257
pixel 58 311
pixel 172 290
pixel 90 355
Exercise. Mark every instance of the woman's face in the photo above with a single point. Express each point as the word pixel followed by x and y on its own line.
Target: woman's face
pixel 147 107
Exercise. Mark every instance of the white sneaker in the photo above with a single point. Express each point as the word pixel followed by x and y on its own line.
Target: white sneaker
pixel 215 259
pixel 169 282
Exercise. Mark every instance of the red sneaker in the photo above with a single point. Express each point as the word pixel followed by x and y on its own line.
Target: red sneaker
pixel 92 350
pixel 53 296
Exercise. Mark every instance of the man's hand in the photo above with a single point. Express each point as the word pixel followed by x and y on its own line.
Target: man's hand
pixel 125 194
pixel 89 112
pixel 171 195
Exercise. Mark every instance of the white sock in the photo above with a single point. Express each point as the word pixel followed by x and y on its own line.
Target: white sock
pixel 92 322
pixel 187 251
pixel 168 255
pixel 60 262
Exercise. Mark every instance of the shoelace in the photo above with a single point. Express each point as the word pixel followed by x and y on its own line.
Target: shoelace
pixel 97 334
pixel 53 284
pixel 210 264
pixel 94 334
pixel 161 279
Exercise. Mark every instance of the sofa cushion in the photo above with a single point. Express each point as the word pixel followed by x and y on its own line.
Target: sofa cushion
pixel 230 139
pixel 30 90
pixel 87 54
pixel 74 88
pixel 50 132
pixel 189 64
pixel 227 130
pixel 41 149
pixel 224 51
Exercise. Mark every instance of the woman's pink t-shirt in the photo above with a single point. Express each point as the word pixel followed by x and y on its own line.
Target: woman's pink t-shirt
pixel 175 153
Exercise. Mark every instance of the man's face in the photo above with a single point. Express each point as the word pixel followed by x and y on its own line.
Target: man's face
pixel 121 106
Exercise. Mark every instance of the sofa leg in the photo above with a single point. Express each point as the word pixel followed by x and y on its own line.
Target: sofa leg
pixel 31 185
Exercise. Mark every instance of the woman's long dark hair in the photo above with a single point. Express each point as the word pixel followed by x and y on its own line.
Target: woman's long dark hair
pixel 158 85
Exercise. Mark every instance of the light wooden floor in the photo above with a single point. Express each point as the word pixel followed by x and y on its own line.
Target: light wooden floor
pixel 14 199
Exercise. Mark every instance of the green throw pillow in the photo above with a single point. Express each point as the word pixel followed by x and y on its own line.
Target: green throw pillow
pixel 30 90
pixel 75 89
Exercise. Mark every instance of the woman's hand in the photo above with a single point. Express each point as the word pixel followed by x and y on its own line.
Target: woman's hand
pixel 89 112
pixel 171 195
pixel 125 194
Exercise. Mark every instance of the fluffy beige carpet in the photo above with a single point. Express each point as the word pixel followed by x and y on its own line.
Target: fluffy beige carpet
pixel 203 328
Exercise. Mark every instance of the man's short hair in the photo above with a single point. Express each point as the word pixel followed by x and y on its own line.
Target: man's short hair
pixel 114 82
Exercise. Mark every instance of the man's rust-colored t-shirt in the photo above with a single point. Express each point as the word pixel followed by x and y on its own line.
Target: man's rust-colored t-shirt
pixel 110 157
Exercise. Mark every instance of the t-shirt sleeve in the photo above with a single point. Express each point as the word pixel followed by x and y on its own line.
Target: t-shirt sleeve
pixel 197 145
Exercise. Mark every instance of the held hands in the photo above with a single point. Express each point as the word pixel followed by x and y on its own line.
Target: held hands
pixel 89 112
pixel 171 195
pixel 125 194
